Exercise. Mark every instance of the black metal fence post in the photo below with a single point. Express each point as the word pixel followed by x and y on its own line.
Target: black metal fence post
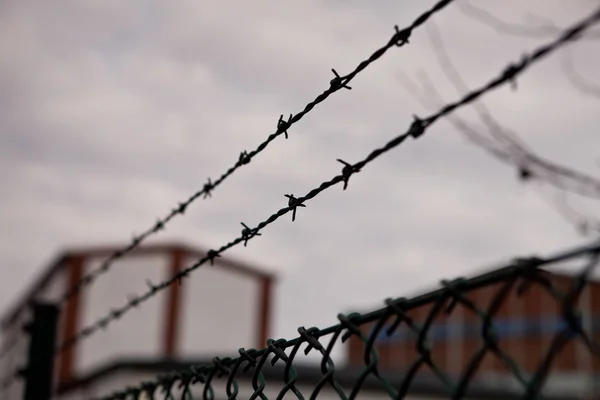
pixel 38 373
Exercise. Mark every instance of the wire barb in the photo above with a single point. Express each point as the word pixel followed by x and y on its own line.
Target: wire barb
pixel 525 173
pixel 293 203
pixel 347 171
pixel 244 158
pixel 402 36
pixel 283 126
pixel 417 127
pixel 511 72
pixel 207 188
pixel 248 233
pixel 211 255
pixel 338 82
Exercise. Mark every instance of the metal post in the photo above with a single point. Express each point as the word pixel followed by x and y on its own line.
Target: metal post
pixel 38 374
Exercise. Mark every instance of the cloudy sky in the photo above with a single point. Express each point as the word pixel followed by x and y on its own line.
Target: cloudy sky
pixel 112 112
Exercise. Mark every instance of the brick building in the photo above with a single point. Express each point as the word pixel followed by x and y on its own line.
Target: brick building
pixel 525 325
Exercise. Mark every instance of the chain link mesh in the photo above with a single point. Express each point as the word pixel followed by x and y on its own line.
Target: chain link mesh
pixel 229 377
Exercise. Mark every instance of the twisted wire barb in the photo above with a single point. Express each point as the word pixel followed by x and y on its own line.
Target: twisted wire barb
pixel 399 39
pixel 416 130
pixel 521 274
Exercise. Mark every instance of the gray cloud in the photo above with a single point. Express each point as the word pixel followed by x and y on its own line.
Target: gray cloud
pixel 111 113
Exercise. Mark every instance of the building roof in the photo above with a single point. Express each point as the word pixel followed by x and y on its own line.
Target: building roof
pixel 307 375
pixel 59 262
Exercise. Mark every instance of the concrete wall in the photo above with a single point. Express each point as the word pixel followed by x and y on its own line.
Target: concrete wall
pixel 140 331
pixel 220 312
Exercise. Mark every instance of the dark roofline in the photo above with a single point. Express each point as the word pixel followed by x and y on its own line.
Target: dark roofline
pixel 307 374
pixel 59 261
pixel 485 273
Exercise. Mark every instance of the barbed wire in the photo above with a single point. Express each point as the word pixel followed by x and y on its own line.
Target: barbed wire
pixel 416 130
pixel 544 29
pixel 504 143
pixel 582 84
pixel 517 278
pixel 585 224
pixel 399 39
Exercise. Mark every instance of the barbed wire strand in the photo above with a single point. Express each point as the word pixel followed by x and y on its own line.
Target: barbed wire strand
pixel 584 224
pixel 507 138
pixel 518 152
pixel 505 144
pixel 399 39
pixel 416 130
pixel 528 164
pixel 545 27
pixel 543 30
pixel 578 81
pixel 518 276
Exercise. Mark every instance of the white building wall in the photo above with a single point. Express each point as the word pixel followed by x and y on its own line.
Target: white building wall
pixel 220 312
pixel 140 331
pixel 55 287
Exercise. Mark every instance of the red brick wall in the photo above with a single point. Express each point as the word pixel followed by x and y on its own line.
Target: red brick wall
pixel 527 351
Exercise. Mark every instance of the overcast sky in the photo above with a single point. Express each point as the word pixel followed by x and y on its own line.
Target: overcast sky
pixel 112 112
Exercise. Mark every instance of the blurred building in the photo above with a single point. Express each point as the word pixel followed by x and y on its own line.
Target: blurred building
pixel 213 312
pixel 525 324
pixel 221 308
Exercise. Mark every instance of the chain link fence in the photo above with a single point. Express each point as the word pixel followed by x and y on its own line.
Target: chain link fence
pixel 245 376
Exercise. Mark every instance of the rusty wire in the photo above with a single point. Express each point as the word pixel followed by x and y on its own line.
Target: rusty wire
pixel 514 279
pixel 398 39
pixel 416 130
